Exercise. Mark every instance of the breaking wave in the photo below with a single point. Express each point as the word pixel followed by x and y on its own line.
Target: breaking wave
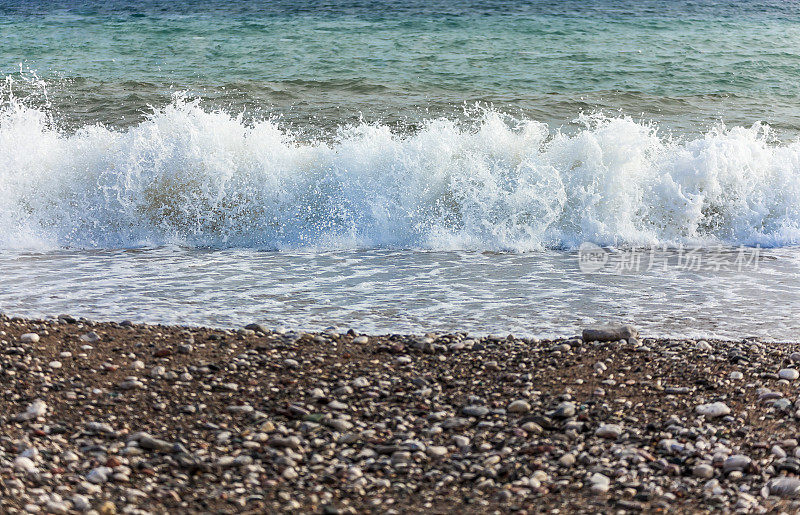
pixel 194 177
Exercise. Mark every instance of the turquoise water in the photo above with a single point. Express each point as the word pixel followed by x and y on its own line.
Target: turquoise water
pixel 686 65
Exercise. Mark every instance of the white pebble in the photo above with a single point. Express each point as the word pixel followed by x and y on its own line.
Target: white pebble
pixel 704 346
pixel 25 464
pixel 36 409
pixel 99 475
pixel 91 337
pixel 713 410
pixel 611 431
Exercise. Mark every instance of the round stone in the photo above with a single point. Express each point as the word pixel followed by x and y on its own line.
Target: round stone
pixel 704 346
pixel 29 338
pixel 610 431
pixel 565 410
pixel 24 464
pixel 567 460
pixel 519 406
pixel 703 470
pixel 436 451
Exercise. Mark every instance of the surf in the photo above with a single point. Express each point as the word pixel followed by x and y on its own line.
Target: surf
pixel 205 178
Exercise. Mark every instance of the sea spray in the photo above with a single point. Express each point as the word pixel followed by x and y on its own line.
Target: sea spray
pixel 204 178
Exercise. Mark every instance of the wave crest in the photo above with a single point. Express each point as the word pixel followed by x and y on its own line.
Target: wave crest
pixel 193 177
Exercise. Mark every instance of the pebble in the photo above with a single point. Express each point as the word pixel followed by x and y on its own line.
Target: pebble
pixel 565 410
pixel 611 431
pixel 339 424
pixel 703 470
pixel 25 464
pixel 713 410
pixel 704 346
pixel 99 475
pixel 29 338
pixel 130 384
pixel 599 483
pixel 256 327
pixel 146 441
pixel 610 333
pixel 519 406
pixel 360 382
pixel 790 374
pixel 36 409
pixel 107 508
pixel 289 422
pixel 737 462
pixel 567 460
pixel 532 427
pixel 491 460
pixel 475 411
pixel 461 441
pixel 81 502
pixel 436 451
pixel 91 337
pixel 57 507
pixel 784 487
pixel 455 423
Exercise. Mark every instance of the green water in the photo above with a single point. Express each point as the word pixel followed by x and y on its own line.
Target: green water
pixel 685 65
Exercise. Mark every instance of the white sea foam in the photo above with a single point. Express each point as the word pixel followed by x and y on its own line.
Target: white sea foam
pixel 198 178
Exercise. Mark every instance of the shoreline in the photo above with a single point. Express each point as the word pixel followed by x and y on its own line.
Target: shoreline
pixel 134 418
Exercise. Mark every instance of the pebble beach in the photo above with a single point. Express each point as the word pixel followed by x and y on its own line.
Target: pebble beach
pixel 125 418
pixel 376 257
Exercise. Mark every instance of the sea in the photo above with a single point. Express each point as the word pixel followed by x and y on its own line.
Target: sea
pixel 404 166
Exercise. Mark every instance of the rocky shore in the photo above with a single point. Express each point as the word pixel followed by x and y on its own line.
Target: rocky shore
pixel 123 418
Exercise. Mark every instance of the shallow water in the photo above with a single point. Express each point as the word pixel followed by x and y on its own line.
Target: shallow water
pixel 379 291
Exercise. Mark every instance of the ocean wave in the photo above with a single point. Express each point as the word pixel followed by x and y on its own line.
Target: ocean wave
pixel 195 177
